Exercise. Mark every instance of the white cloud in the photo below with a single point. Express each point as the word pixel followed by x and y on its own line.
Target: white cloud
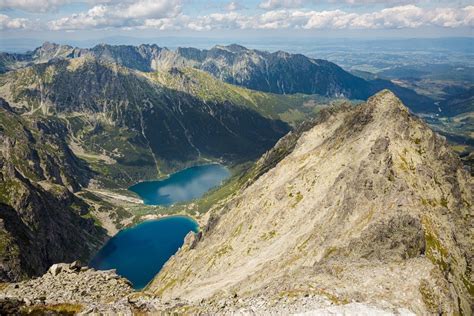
pixel 42 6
pixel 148 9
pixel 133 14
pixel 164 24
pixel 469 15
pixel 163 15
pixel 368 2
pixel 408 16
pixel 8 23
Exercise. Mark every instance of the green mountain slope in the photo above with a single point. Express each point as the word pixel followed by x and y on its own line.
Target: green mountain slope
pixel 293 108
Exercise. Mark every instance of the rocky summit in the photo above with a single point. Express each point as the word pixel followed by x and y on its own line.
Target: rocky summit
pixel 369 206
pixel 363 210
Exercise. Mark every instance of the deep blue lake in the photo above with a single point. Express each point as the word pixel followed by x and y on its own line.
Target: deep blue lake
pixel 181 186
pixel 138 253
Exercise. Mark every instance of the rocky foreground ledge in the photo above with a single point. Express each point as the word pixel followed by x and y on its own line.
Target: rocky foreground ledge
pixel 68 287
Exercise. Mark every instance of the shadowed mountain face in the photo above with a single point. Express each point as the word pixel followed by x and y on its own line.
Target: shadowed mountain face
pixel 277 72
pixel 366 196
pixel 110 108
pixel 41 221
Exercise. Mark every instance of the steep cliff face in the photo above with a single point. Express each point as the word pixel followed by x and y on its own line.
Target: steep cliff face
pixel 369 205
pixel 281 72
pixel 41 221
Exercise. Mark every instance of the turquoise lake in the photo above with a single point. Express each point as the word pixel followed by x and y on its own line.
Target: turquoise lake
pixel 181 186
pixel 138 253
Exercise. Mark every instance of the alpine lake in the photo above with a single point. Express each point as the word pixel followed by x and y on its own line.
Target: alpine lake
pixel 138 253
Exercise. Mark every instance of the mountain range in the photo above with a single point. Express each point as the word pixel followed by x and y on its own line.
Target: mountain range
pixel 360 210
pixel 155 104
pixel 138 123
pixel 277 72
pixel 338 197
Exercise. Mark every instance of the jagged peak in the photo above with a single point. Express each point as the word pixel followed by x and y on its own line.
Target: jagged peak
pixel 386 102
pixel 234 48
pixel 237 47
pixel 50 46
pixel 282 54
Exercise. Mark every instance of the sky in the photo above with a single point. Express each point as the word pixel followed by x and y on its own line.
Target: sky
pixel 82 19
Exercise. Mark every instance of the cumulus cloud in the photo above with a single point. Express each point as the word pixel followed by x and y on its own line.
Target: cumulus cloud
pixel 8 23
pixel 148 9
pixel 368 2
pixel 42 6
pixel 119 15
pixel 165 16
pixel 407 16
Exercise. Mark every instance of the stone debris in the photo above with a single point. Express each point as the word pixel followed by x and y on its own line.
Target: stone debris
pixel 71 284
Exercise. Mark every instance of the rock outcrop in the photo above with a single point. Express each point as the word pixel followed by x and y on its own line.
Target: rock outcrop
pixel 70 288
pixel 64 284
pixel 369 206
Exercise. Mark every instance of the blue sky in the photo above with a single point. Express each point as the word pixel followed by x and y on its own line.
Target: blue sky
pixel 62 19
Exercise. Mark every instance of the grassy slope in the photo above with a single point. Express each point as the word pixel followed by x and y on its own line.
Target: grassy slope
pixel 291 108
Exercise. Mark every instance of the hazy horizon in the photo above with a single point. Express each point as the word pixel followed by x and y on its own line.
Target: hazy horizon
pixel 29 22
pixel 454 43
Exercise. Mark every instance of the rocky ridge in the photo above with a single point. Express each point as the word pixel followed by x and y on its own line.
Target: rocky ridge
pixel 277 72
pixel 72 288
pixel 370 206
